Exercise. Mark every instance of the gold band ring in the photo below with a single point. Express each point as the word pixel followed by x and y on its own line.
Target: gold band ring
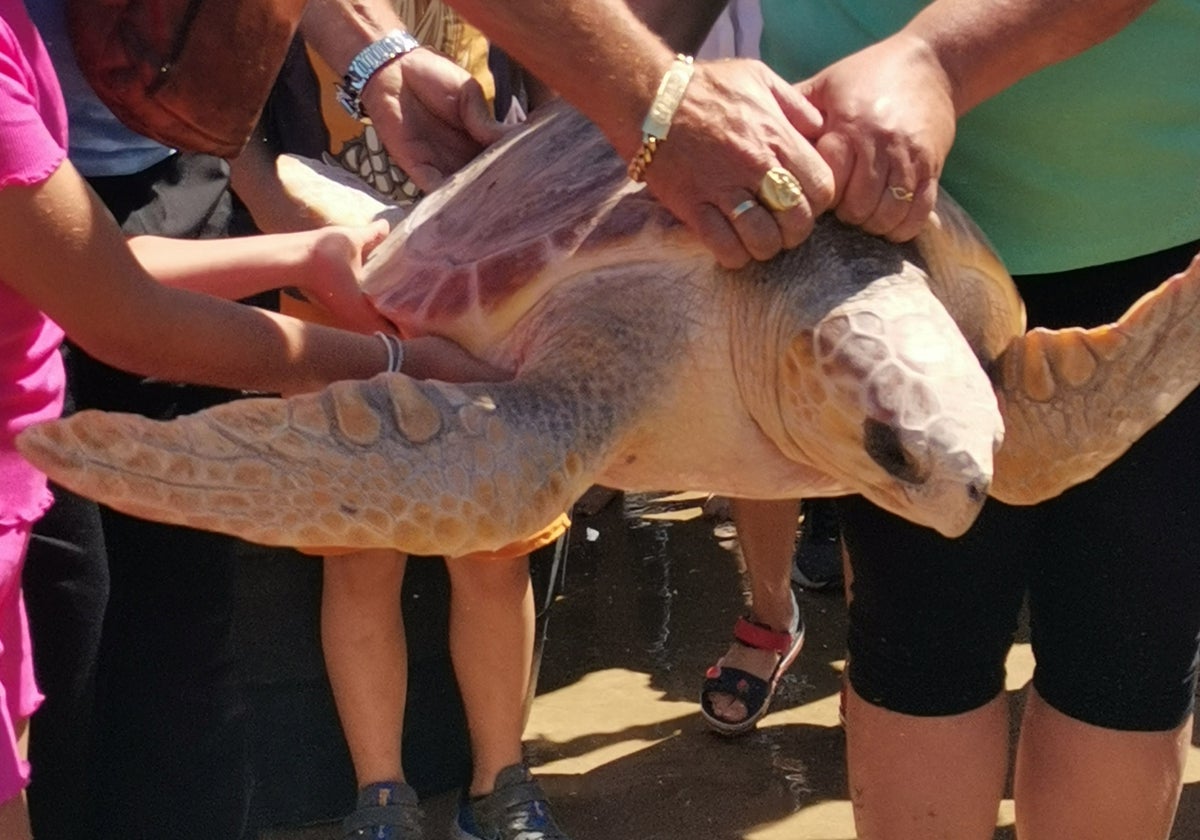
pixel 780 190
pixel 748 204
pixel 901 194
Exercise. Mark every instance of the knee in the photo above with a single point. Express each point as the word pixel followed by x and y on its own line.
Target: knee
pixel 490 578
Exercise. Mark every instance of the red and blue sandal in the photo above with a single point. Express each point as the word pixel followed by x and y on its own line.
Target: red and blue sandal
pixel 754 692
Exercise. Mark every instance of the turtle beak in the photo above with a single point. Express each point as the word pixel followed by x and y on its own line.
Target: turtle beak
pixel 959 517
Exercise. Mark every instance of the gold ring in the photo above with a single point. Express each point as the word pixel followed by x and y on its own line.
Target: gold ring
pixel 780 190
pixel 901 194
pixel 748 204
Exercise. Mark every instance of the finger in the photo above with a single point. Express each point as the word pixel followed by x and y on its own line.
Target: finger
pixel 863 190
pixel 477 118
pixel 804 116
pixel 838 154
pixel 718 235
pixel 924 200
pixel 817 191
pixel 791 227
pixel 356 313
pixel 427 176
pixel 761 229
pixel 895 200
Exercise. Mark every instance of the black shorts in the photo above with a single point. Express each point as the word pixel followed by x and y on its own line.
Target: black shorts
pixel 1110 568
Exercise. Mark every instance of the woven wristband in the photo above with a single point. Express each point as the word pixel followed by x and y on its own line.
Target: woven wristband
pixel 662 110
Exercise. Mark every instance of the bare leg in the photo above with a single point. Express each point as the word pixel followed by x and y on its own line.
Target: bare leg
pixel 1078 780
pixel 491 645
pixel 362 634
pixel 767 536
pixel 14 819
pixel 14 812
pixel 918 778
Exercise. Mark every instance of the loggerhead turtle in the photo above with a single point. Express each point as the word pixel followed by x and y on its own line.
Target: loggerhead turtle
pixel 850 364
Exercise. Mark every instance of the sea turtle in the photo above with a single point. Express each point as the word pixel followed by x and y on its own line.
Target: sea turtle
pixel 850 364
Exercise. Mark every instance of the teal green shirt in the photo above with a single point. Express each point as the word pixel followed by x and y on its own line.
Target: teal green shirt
pixel 1090 161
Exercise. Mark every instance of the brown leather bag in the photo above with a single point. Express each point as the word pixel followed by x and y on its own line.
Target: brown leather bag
pixel 192 74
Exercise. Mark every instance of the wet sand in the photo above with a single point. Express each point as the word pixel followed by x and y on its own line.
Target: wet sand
pixel 651 592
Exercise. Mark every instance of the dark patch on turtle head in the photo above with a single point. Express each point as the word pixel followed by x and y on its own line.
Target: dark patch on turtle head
pixel 886 449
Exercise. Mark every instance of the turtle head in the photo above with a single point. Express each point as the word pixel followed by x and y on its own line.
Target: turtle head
pixel 886 396
pixel 937 477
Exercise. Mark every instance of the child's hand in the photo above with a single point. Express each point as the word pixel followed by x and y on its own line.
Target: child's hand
pixel 336 268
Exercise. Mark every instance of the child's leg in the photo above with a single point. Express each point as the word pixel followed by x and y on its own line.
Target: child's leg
pixel 491 645
pixel 14 819
pixel 18 690
pixel 362 635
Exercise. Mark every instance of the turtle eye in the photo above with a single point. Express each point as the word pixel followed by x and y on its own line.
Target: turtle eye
pixel 883 444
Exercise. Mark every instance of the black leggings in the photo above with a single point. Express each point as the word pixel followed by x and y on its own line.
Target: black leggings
pixel 1109 568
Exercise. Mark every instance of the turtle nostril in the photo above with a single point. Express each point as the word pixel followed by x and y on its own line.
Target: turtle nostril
pixel 883 444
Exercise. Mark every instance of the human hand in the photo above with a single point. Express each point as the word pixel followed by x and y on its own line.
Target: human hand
pixel 736 121
pixel 335 270
pixel 431 115
pixel 889 124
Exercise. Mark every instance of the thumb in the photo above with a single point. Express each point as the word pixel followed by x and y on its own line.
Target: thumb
pixel 476 115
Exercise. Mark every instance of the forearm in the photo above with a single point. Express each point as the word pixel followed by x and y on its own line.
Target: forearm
pixel 599 56
pixel 339 29
pixel 231 268
pixel 984 48
pixel 191 337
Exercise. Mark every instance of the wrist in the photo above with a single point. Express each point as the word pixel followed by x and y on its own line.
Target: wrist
pixel 945 60
pixel 657 123
pixel 395 352
pixel 367 63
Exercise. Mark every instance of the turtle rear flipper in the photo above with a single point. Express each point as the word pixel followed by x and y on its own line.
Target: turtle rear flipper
pixel 1075 400
pixel 391 462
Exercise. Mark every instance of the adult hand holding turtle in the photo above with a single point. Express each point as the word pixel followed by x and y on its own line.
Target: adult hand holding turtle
pixel 735 122
pixel 430 113
pixel 890 109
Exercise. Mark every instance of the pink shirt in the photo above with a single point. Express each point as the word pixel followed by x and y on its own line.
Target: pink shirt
pixel 33 140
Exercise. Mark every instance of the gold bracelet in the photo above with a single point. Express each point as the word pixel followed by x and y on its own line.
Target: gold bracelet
pixel 658 121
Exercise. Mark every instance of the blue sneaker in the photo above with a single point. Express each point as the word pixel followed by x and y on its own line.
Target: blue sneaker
pixel 515 810
pixel 384 811
pixel 817 563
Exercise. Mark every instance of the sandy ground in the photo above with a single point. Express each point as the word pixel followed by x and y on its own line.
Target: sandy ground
pixel 651 592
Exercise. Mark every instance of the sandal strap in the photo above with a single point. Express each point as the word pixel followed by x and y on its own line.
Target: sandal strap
pixel 760 637
pixel 752 690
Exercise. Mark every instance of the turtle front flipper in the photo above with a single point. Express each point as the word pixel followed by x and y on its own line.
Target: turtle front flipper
pixel 1074 400
pixel 424 467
